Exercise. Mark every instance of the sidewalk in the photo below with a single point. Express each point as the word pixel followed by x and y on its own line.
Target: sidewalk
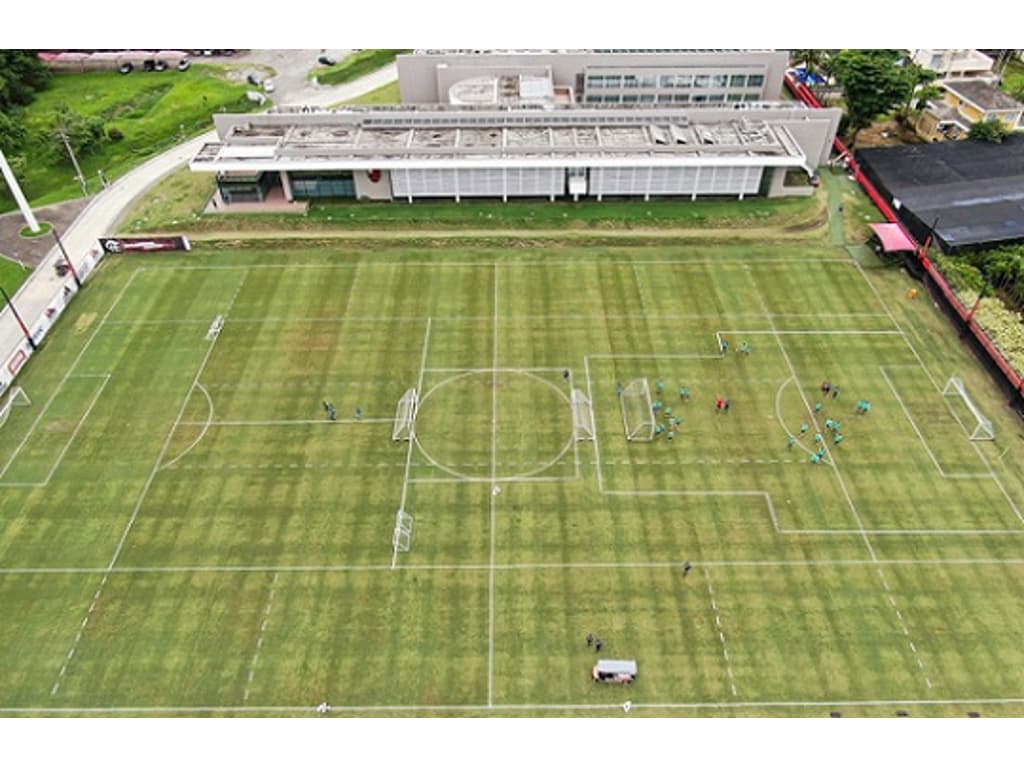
pixel 102 213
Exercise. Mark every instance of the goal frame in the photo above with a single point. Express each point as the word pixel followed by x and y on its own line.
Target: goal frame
pixel 643 431
pixel 582 416
pixel 405 416
pixel 401 539
pixel 14 398
pixel 983 429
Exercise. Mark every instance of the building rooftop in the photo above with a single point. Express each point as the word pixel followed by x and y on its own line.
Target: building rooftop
pixel 439 133
pixel 982 94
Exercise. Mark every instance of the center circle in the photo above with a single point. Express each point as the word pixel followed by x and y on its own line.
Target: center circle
pixel 460 431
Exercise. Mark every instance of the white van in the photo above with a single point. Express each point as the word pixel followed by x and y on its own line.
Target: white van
pixel 614 671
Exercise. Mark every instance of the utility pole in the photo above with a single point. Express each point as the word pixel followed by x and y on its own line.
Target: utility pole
pixel 24 328
pixel 19 197
pixel 74 160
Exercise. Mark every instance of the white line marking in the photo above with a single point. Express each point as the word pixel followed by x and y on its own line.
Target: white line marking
pixel 721 635
pixel 259 640
pixel 692 705
pixel 493 497
pixel 149 481
pixel 412 435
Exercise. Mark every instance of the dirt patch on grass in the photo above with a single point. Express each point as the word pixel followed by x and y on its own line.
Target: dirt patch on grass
pixel 84 322
pixel 887 133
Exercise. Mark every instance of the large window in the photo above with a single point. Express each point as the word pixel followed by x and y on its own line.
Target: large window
pixel 676 81
pixel 595 81
pixel 755 81
pixel 701 81
pixel 612 81
pixel 738 81
pixel 630 81
pixel 719 81
pixel 648 81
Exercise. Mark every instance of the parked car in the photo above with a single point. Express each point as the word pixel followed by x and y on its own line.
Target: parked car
pixel 326 60
pixel 268 86
pixel 253 79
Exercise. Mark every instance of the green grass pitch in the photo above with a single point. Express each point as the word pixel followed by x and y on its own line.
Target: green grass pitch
pixel 182 530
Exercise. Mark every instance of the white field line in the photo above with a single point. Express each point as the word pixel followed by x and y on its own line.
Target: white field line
pixel 67 445
pixel 597 447
pixel 782 423
pixel 507 319
pixel 283 422
pixel 493 497
pixel 611 707
pixel 817 428
pixel 913 350
pixel 853 508
pixel 721 634
pixel 67 375
pixel 718 263
pixel 657 565
pixel 265 617
pixel 412 435
pixel 913 424
pixel 206 426
pixel 138 504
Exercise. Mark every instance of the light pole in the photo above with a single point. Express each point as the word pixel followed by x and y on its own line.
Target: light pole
pixel 19 197
pixel 74 161
pixel 67 259
pixel 24 328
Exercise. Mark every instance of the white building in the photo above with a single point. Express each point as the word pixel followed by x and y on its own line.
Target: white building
pixel 456 152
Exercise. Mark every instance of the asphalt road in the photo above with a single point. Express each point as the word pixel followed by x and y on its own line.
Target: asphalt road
pixel 289 68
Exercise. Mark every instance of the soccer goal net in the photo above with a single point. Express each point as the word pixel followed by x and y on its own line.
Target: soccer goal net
pixel 405 416
pixel 401 540
pixel 582 416
pixel 982 427
pixel 14 398
pixel 637 413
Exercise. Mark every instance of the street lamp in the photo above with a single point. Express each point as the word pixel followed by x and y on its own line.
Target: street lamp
pixel 24 328
pixel 67 259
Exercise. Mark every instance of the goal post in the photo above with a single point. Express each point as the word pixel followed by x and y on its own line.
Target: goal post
pixel 982 427
pixel 637 411
pixel 401 539
pixel 16 397
pixel 405 416
pixel 582 416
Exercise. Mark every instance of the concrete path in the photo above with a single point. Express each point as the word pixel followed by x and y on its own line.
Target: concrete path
pixel 31 251
pixel 101 215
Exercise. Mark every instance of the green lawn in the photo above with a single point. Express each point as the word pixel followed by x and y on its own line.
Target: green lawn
pixel 355 65
pixel 180 525
pixel 153 111
pixel 386 94
pixel 174 203
pixel 12 274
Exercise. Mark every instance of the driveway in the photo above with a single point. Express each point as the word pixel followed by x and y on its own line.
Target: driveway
pixel 290 67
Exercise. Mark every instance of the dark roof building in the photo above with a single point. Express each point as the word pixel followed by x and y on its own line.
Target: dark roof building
pixel 971 192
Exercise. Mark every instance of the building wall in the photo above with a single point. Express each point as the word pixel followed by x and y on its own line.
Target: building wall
pixel 367 189
pixel 420 82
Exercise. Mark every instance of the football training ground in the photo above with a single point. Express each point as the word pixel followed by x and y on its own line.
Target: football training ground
pixel 184 530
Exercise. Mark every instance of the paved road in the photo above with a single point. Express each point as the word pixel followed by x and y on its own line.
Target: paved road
pixel 290 66
pixel 103 212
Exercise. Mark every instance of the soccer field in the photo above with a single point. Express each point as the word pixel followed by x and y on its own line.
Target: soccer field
pixel 184 530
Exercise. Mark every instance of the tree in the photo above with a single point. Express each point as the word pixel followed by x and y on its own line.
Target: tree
pixel 12 132
pixel 82 133
pixel 919 84
pixel 873 82
pixel 21 75
pixel 992 130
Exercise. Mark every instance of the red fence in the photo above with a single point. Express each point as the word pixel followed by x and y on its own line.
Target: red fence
pixel 802 92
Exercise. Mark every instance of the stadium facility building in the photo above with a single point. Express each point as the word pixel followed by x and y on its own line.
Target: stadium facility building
pixel 592 76
pixel 442 151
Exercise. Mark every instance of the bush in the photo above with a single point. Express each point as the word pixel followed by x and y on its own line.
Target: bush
pixel 114 134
